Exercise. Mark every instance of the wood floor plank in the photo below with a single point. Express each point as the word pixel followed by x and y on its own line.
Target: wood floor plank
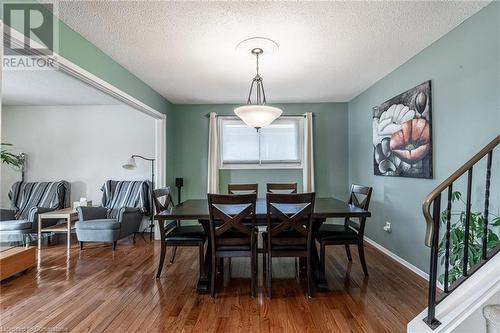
pixel 98 290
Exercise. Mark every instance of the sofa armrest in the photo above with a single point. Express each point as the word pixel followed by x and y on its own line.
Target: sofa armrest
pixel 7 214
pixel 34 211
pixel 130 218
pixel 91 213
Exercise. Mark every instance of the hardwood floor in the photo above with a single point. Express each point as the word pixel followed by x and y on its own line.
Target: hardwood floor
pixel 97 290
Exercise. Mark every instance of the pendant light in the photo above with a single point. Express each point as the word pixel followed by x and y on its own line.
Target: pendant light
pixel 257 114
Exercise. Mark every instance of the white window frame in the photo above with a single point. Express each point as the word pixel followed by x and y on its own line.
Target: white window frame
pixel 259 165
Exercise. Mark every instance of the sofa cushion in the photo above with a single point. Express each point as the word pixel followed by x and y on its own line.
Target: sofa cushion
pixel 13 225
pixel 99 224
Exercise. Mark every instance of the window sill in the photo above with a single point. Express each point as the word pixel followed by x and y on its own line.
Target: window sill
pixel 261 167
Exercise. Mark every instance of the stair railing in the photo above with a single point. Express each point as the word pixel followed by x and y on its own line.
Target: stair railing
pixel 432 221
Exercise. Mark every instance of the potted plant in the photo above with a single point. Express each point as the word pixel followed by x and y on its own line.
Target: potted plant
pixel 457 238
pixel 10 158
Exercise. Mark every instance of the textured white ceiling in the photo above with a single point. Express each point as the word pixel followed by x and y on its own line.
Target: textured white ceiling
pixel 329 51
pixel 49 87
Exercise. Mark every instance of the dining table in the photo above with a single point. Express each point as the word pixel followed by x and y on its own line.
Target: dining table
pixel 197 209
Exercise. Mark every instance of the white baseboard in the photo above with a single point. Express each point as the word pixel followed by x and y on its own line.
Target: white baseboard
pixel 397 258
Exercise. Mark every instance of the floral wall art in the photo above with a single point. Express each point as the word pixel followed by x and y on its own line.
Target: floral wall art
pixel 402 134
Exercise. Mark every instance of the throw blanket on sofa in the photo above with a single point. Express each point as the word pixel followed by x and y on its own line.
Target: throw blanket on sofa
pixel 117 194
pixel 26 197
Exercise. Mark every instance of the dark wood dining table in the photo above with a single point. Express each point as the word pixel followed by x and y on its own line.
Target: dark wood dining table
pixel 197 209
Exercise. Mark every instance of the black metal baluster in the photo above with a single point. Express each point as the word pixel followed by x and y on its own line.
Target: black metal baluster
pixel 431 310
pixel 486 205
pixel 447 238
pixel 467 223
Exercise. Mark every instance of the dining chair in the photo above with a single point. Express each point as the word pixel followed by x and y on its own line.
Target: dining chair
pixel 282 187
pixel 351 232
pixel 229 236
pixel 289 231
pixel 242 188
pixel 175 233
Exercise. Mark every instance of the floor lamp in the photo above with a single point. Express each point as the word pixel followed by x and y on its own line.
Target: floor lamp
pixel 131 165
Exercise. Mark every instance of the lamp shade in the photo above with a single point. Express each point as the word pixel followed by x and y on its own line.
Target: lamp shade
pixel 130 164
pixel 258 115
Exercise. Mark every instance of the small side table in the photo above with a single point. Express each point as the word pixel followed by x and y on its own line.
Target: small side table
pixel 68 214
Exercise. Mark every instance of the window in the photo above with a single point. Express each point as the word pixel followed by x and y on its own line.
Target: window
pixel 276 146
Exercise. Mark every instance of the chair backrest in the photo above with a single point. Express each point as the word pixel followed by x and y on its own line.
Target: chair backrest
pixel 294 213
pixel 242 188
pixel 282 187
pixel 360 197
pixel 26 196
pixel 227 213
pixel 118 194
pixel 163 199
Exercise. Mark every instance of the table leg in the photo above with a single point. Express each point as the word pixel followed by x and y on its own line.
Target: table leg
pixel 203 285
pixel 317 272
pixel 163 249
pixel 68 218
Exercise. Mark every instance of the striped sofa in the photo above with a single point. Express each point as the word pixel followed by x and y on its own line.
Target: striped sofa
pixel 124 203
pixel 28 199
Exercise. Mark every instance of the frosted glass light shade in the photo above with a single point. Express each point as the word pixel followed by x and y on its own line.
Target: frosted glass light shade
pixel 130 164
pixel 258 116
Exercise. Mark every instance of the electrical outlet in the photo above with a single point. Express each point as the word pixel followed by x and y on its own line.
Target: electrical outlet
pixel 387 226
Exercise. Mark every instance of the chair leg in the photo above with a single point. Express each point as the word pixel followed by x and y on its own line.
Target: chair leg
pixel 256 272
pixel 252 281
pixel 264 267
pixel 201 255
pixel 163 249
pixel 348 251
pixel 220 265
pixel 212 280
pixel 322 257
pixel 269 276
pixel 297 270
pixel 309 277
pixel 229 264
pixel 81 245
pixel 172 256
pixel 114 245
pixel 133 238
pixel 361 252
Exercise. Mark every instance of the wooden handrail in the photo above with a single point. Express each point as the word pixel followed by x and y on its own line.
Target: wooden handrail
pixel 441 187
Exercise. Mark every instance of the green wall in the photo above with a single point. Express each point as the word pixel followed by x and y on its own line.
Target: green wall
pixel 330 139
pixel 464 67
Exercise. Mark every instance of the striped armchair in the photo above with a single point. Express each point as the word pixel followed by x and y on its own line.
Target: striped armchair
pixel 124 203
pixel 30 199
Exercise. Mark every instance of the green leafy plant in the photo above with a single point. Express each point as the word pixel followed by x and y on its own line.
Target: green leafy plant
pixel 457 238
pixel 10 158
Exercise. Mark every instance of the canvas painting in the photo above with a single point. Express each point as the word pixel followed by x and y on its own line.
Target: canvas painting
pixel 402 134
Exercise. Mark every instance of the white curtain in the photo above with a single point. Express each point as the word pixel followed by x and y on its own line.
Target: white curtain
pixel 308 161
pixel 213 155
